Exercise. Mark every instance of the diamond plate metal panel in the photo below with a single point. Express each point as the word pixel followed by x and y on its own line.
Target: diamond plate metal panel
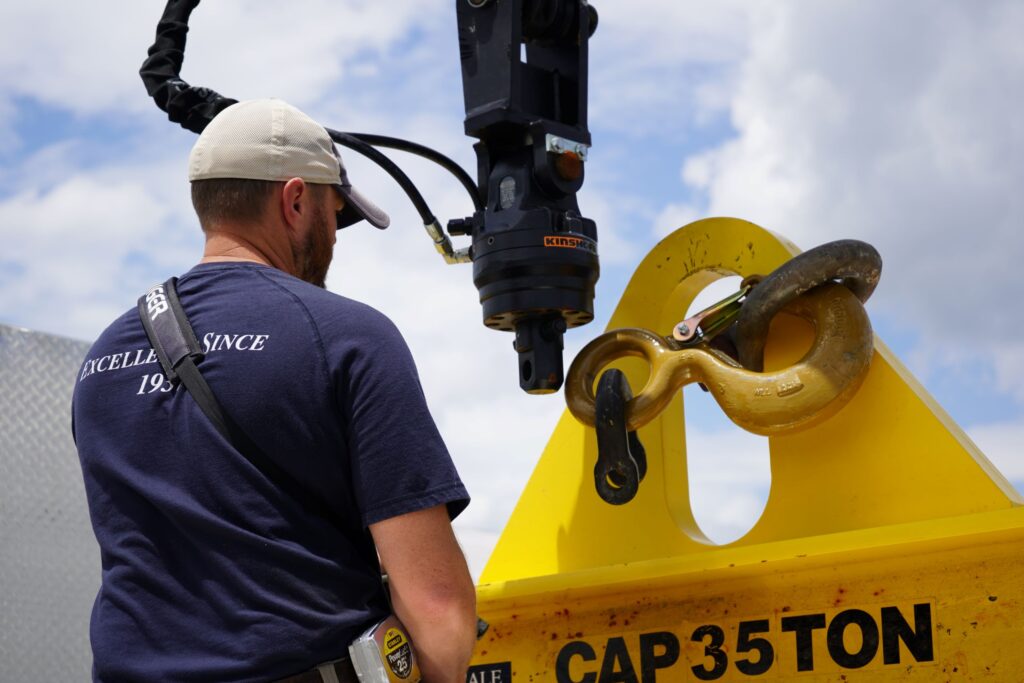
pixel 49 560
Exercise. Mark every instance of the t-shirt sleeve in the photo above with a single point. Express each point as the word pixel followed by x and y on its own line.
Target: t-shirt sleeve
pixel 399 462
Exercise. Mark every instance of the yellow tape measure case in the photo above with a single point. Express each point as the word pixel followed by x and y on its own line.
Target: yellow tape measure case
pixel 384 654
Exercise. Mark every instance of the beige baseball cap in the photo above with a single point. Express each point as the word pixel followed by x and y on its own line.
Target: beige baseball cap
pixel 272 140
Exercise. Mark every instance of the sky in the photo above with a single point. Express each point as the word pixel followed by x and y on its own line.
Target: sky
pixel 894 123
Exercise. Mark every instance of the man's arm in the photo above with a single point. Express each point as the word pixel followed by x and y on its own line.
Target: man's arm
pixel 431 590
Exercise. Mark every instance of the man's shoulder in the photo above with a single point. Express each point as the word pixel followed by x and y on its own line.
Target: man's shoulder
pixel 242 285
pixel 329 310
pixel 125 328
pixel 342 324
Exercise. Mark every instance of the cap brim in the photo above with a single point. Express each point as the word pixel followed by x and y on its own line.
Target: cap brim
pixel 358 207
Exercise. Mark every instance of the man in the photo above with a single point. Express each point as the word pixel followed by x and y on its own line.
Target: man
pixel 212 570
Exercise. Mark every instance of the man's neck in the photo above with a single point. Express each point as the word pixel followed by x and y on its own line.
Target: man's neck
pixel 229 246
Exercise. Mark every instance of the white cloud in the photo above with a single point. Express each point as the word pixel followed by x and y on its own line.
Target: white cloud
pixel 672 217
pixel 83 248
pixel 85 57
pixel 1008 356
pixel 75 55
pixel 298 51
pixel 895 124
pixel 1003 444
pixel 656 64
pixel 669 33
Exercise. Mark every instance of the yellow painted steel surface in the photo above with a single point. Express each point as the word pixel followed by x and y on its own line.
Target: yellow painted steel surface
pixel 889 547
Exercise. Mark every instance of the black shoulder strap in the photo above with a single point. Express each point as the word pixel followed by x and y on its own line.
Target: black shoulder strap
pixel 178 351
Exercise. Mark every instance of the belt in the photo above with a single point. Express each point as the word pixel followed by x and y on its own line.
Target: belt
pixel 338 671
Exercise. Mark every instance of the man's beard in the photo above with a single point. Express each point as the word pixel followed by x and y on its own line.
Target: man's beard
pixel 315 254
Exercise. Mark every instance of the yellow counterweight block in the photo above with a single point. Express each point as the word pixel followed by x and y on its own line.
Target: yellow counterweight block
pixel 889 547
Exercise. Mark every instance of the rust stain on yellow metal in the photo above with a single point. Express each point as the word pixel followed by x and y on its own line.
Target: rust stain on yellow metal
pixel 888 548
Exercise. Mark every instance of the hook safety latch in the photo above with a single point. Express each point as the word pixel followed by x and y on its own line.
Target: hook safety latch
pixel 715 319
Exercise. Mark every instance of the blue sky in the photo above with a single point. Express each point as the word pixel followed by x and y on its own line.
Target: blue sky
pixel 895 124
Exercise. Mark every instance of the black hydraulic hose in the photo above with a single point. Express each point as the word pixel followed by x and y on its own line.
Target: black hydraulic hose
pixel 192 107
pixel 378 157
pixel 427 153
pixel 195 107
pixel 441 241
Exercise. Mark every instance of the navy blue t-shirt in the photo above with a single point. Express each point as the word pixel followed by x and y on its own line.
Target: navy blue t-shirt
pixel 211 572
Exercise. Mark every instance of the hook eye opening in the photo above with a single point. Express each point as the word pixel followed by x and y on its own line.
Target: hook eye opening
pixel 628 343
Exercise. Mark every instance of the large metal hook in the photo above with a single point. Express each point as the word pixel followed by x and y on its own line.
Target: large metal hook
pixel 857 265
pixel 764 403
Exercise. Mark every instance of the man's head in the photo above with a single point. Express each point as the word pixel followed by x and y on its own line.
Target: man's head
pixel 264 166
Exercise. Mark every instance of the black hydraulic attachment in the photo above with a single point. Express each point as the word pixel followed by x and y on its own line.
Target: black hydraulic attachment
pixel 524 75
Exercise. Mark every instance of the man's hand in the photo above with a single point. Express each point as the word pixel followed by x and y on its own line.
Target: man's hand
pixel 431 590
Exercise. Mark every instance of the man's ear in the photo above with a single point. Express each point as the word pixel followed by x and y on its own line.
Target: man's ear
pixel 294 201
